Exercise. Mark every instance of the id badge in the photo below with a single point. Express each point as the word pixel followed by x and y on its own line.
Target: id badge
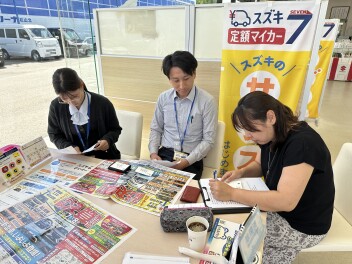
pixel 179 155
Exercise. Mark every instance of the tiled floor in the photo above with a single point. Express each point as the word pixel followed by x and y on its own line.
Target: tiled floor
pixel 324 258
pixel 335 122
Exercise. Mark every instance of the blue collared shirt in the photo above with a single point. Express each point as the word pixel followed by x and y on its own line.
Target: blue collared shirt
pixel 201 130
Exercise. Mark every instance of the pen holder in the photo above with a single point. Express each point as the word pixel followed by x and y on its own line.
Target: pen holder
pixel 174 219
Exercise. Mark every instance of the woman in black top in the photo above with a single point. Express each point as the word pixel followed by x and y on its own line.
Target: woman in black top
pixel 81 119
pixel 296 165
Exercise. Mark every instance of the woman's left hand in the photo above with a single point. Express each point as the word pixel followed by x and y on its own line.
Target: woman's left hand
pixel 102 145
pixel 221 190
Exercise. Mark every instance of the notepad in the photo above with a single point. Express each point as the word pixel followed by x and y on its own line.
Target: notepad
pixel 227 207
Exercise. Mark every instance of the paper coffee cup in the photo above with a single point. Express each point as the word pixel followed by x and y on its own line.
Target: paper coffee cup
pixel 197 229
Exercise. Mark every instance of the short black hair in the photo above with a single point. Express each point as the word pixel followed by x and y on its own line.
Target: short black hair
pixel 181 59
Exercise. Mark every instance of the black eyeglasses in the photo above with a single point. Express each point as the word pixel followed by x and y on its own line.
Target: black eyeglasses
pixel 70 97
pixel 61 101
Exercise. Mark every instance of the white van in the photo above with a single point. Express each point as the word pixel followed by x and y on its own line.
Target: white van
pixel 27 40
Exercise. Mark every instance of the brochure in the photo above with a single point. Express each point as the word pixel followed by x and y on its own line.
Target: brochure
pixel 221 238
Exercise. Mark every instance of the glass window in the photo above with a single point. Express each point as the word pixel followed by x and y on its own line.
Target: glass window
pixel 7 2
pixel 23 34
pixel 10 33
pixel 79 15
pixel 208 39
pixel 62 5
pixel 77 6
pixel 92 6
pixel 37 3
pixel 21 11
pixel 40 32
pixel 142 32
pixel 11 2
pixel 38 12
pixel 53 13
pixel 2 33
pixel 52 4
pixel 63 14
pixel 8 10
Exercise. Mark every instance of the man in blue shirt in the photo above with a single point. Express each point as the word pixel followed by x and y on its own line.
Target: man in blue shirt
pixel 183 128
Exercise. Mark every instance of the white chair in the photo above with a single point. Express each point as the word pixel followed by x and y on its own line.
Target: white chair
pixel 339 237
pixel 212 161
pixel 130 140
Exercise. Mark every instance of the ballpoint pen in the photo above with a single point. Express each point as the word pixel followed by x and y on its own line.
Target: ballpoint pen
pixel 215 172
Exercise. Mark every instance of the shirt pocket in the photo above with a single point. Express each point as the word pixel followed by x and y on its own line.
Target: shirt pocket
pixel 195 126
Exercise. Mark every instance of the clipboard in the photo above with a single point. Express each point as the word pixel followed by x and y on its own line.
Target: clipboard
pixel 230 207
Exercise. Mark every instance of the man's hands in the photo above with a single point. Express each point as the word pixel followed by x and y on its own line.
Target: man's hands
pixel 181 164
pixel 154 156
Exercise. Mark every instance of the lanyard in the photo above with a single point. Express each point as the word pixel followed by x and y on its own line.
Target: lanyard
pixel 85 146
pixel 182 139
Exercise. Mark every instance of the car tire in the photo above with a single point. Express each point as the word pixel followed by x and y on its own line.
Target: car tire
pixel 89 52
pixel 36 56
pixel 5 54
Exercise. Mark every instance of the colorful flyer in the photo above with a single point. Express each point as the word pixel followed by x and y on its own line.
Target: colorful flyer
pixel 12 165
pixel 150 187
pixel 100 181
pixel 67 170
pixel 58 226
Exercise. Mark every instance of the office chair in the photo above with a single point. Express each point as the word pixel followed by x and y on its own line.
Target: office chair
pixel 343 182
pixel 339 237
pixel 212 160
pixel 130 140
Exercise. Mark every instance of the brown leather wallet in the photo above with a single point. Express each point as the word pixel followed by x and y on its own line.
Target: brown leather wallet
pixel 190 194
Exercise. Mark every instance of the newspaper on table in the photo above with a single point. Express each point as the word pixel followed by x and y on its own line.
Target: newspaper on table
pixel 33 184
pixel 67 170
pixel 146 186
pixel 59 226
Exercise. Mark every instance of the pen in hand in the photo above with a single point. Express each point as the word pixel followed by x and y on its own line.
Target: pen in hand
pixel 215 172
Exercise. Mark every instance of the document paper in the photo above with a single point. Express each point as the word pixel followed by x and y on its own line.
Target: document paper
pixel 255 184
